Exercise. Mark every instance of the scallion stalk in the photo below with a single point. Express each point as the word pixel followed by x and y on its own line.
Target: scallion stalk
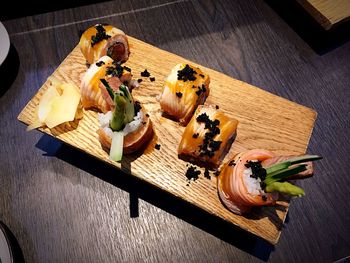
pixel 116 152
pixel 284 174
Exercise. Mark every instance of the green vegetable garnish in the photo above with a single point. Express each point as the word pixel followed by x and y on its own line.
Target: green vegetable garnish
pixel 130 109
pixel 117 121
pixel 281 171
pixel 304 158
pixel 277 167
pixel 123 113
pixel 109 89
pixel 284 173
pixel 291 161
pixel 116 152
pixel 285 188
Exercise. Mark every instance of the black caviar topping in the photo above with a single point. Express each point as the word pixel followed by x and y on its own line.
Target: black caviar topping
pixel 100 63
pixel 201 75
pixel 195 135
pixel 152 79
pixel 209 146
pixel 137 107
pixel 217 172
pixel 127 68
pixel 201 90
pixel 100 35
pixel 257 171
pixel 215 145
pixel 147 115
pixel 187 73
pixel 115 70
pixel 192 173
pixel 203 118
pixel 206 174
pixel 232 163
pixel 139 80
pixel 217 107
pixel 145 73
pixel 157 146
pixel 178 94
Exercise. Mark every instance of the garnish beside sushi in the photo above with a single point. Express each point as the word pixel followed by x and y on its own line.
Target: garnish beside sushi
pixel 185 88
pixel 255 177
pixel 207 137
pixel 59 104
pixel 94 94
pixel 126 128
pixel 101 40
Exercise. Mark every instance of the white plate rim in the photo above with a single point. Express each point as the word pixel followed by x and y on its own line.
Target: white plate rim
pixel 4 236
pixel 4 43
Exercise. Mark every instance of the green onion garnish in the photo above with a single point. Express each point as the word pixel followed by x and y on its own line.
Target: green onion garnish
pixel 284 173
pixel 109 89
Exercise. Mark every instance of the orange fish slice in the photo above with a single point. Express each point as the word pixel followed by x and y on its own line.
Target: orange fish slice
pixel 92 93
pixel 207 137
pixel 185 88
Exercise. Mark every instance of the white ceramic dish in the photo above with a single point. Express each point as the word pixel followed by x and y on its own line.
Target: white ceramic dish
pixel 4 43
pixel 5 250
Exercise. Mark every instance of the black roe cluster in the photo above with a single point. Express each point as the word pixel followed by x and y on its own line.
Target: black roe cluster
pixel 100 35
pixel 187 73
pixel 201 90
pixel 192 173
pixel 116 70
pixel 209 146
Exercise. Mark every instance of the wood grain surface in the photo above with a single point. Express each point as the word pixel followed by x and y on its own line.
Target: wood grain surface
pixel 62 205
pixel 266 121
pixel 328 12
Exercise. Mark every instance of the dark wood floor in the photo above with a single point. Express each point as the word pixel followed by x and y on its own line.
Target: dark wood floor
pixel 63 206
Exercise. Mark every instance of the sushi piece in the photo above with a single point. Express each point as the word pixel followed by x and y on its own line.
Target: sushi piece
pixel 256 177
pixel 101 40
pixel 185 88
pixel 93 93
pixel 207 137
pixel 125 129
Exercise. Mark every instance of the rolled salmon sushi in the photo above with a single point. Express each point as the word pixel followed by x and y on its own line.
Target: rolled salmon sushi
pixel 185 88
pixel 93 93
pixel 101 40
pixel 207 137
pixel 256 177
pixel 136 136
pixel 126 128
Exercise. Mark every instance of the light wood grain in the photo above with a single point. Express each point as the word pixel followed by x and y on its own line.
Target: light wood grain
pixel 328 12
pixel 266 121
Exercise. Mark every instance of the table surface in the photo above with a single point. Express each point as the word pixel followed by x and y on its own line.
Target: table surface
pixel 64 206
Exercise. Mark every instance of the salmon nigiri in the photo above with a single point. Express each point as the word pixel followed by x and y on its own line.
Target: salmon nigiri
pixel 207 137
pixel 95 95
pixel 255 177
pixel 185 88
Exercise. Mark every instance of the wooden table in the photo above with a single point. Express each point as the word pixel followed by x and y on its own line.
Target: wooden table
pixel 64 206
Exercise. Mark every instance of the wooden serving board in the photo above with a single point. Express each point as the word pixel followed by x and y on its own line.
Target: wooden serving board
pixel 328 13
pixel 265 121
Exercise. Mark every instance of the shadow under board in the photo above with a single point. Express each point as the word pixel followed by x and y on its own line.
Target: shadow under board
pixel 139 189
